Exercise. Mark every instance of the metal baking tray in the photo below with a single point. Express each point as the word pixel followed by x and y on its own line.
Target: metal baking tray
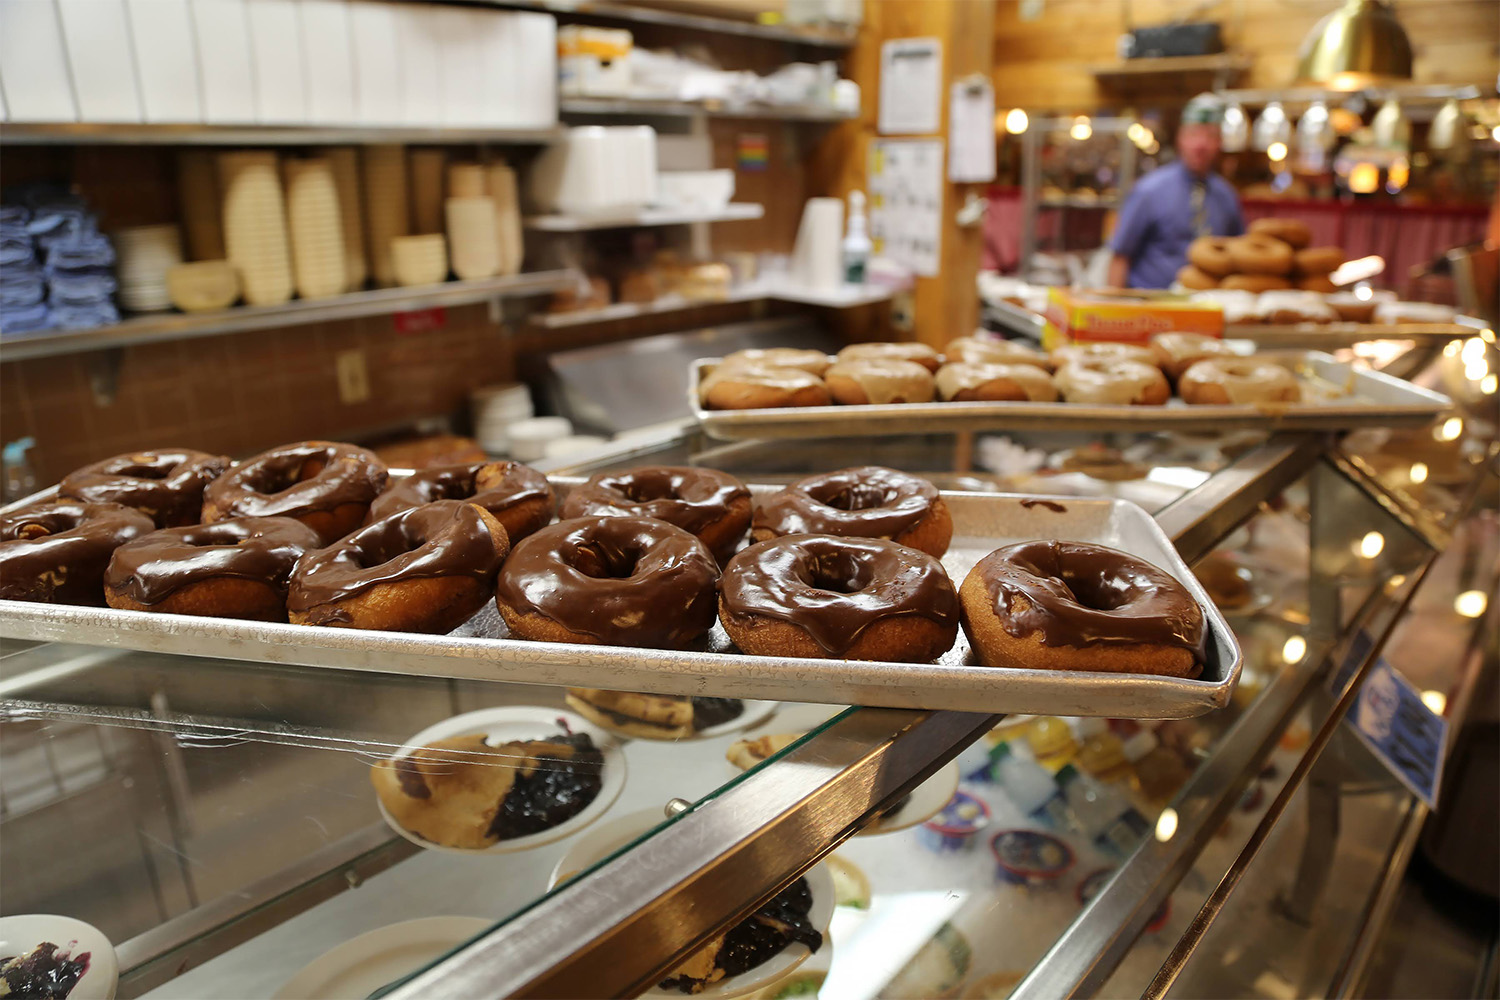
pixel 479 650
pixel 1366 399
pixel 1328 335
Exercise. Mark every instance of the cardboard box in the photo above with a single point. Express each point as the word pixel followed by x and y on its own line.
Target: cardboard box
pixel 1127 317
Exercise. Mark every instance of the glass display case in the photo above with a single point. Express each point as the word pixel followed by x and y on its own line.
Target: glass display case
pixel 215 817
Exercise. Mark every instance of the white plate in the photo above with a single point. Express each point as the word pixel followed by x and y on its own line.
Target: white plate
pixel 754 714
pixel 23 932
pixel 601 843
pixel 362 965
pixel 522 722
pixel 925 802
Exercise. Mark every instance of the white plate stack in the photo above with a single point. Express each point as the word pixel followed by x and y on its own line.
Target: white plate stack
pixel 385 207
pixel 345 164
pixel 473 238
pixel 144 255
pixel 494 409
pixel 312 206
pixel 255 226
pixel 420 260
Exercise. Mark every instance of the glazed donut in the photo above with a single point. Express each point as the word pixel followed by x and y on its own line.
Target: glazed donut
pixel 1195 278
pixel 1287 306
pixel 919 353
pixel 1318 260
pixel 619 581
pixel 994 382
pixel 423 569
pixel 1054 605
pixel 237 568
pixel 1220 381
pixel 1292 232
pixel 1320 283
pixel 1239 306
pixel 519 496
pixel 1255 282
pixel 56 553
pixel 857 382
pixel 759 386
pixel 1350 307
pixel 866 501
pixel 987 351
pixel 1210 254
pixel 710 504
pixel 819 596
pixel 166 485
pixel 1176 352
pixel 1258 254
pixel 812 362
pixel 325 485
pixel 1102 351
pixel 1097 380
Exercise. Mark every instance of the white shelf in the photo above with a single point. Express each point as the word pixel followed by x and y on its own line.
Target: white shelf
pixel 646 217
pixel 847 298
pixel 238 319
pixel 624 13
pixel 645 107
pixel 81 134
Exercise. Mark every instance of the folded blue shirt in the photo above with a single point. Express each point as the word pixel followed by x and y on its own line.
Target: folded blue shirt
pixel 85 254
pixel 82 317
pixel 21 288
pixel 26 319
pixel 80 289
pixel 14 215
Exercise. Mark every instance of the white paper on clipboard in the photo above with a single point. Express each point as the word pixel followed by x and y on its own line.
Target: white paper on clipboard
pixel 971 131
pixel 911 86
pixel 906 202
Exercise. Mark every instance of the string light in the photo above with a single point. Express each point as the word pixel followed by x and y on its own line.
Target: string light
pixel 1081 129
pixel 1471 603
pixel 1489 384
pixel 1016 121
pixel 1276 151
pixel 1451 429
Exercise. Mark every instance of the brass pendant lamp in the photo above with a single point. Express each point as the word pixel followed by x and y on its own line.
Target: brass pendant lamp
pixel 1357 45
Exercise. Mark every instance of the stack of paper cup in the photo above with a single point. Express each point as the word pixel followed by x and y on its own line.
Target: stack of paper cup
pixel 501 183
pixel 144 255
pixel 255 226
pixel 494 409
pixel 199 204
pixel 572 445
pixel 466 180
pixel 345 164
pixel 312 209
pixel 385 207
pixel 529 438
pixel 816 260
pixel 427 167
pixel 420 260
pixel 473 238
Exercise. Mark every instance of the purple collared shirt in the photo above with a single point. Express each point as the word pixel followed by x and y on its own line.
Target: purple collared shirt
pixel 1156 224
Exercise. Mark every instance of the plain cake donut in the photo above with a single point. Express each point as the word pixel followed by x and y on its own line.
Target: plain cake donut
pixel 907 351
pixel 1255 254
pixel 1210 254
pixel 1319 260
pixel 519 496
pixel 1176 351
pixel 710 504
pixel 858 382
pixel 616 581
pixel 760 386
pixel 326 485
pixel 237 568
pixel 1255 282
pixel 1196 279
pixel 1223 381
pixel 1293 232
pixel 166 484
pixel 867 501
pixel 825 597
pixel 1118 382
pixel 1053 605
pixel 56 553
pixel 423 569
pixel 961 382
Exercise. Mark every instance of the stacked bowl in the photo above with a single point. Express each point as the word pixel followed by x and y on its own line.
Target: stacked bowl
pixel 312 207
pixel 255 236
pixel 144 255
pixel 385 207
pixel 473 238
pixel 494 409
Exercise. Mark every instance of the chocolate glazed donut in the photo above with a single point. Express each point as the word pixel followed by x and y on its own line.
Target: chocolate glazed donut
pixel 617 581
pixel 229 569
pixel 424 569
pixel 856 598
pixel 519 496
pixel 56 553
pixel 325 485
pixel 863 502
pixel 1075 606
pixel 713 505
pixel 166 485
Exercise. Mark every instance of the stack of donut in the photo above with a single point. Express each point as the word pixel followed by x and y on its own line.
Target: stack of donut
pixel 1274 255
pixel 844 565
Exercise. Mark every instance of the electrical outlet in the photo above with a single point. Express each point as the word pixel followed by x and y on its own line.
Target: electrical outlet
pixel 354 377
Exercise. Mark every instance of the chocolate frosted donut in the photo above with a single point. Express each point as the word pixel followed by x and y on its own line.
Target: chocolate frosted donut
pixel 617 581
pixel 867 501
pixel 55 553
pixel 166 485
pixel 856 598
pixel 1074 606
pixel 711 504
pixel 229 569
pixel 325 485
pixel 519 496
pixel 424 569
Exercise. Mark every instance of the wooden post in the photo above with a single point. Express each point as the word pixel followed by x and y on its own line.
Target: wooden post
pixel 946 306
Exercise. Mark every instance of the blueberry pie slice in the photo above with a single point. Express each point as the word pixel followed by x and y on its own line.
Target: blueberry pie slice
pixel 765 933
pixel 42 973
pixel 652 716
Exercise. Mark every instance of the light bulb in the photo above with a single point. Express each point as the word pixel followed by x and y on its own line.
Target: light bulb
pixel 1419 472
pixel 1451 429
pixel 1489 384
pixel 1473 348
pixel 1294 649
pixel 1471 603
pixel 1276 151
pixel 1166 824
pixel 1364 293
pixel 1081 129
pixel 1372 544
pixel 1016 121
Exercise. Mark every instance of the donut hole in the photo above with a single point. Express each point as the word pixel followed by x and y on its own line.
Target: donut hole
pixel 1098 593
pixel 852 496
pixel 644 489
pixel 289 470
pixel 53 522
pixel 141 470
pixel 837 573
pixel 604 562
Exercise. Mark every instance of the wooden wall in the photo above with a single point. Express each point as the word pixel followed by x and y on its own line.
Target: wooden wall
pixel 1044 63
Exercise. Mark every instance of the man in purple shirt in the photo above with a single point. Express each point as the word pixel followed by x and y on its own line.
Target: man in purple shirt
pixel 1175 204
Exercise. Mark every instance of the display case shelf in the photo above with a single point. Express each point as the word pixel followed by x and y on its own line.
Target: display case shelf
pixel 846 298
pixel 647 107
pixel 150 328
pixel 736 212
pixel 90 134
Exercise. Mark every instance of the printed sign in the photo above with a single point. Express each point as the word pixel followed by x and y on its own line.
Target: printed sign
pixel 1398 727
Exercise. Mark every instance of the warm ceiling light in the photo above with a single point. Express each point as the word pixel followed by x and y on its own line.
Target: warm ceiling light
pixel 1471 603
pixel 1356 45
pixel 1419 472
pixel 1489 384
pixel 1473 350
pixel 1166 825
pixel 1364 178
pixel 1495 133
pixel 1372 544
pixel 1364 293
pixel 1294 649
pixel 1016 121
pixel 1487 335
pixel 1276 151
pixel 1081 129
pixel 1451 429
pixel 1452 348
pixel 1136 133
